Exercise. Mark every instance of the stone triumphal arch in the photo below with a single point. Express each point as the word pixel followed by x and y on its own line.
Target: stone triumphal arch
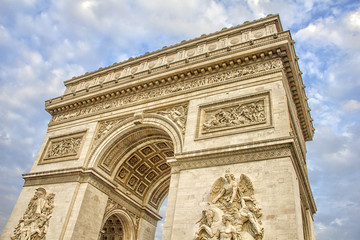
pixel 218 124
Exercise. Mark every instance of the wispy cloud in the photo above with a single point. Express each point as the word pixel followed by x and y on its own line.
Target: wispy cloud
pixel 43 43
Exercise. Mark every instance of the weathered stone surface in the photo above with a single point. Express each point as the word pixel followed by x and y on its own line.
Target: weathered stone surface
pixel 218 124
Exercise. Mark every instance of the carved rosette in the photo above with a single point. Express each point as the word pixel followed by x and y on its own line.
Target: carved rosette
pixel 35 221
pixel 233 212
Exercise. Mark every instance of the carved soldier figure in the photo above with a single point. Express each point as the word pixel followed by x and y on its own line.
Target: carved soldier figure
pixel 227 231
pixel 35 222
pixel 232 213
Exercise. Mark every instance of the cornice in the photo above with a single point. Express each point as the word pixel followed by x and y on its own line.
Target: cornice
pixel 246 26
pixel 280 148
pixel 204 64
pixel 83 175
pixel 145 78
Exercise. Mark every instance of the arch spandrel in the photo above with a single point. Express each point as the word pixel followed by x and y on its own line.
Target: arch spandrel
pixel 133 157
pixel 161 124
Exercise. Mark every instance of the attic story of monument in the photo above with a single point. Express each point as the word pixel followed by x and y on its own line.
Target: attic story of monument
pixel 217 124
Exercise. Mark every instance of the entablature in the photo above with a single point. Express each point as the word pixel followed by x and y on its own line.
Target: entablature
pixel 140 80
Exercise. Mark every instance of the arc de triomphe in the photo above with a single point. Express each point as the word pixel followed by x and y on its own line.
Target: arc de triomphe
pixel 218 124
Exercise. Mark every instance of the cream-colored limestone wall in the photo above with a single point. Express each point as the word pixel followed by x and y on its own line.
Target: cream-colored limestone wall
pixel 170 207
pixel 88 129
pixel 87 214
pixel 276 190
pixel 278 128
pixel 146 230
pixel 63 201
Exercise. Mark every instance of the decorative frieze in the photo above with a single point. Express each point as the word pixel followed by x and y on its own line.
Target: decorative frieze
pixel 192 83
pixel 247 155
pixel 35 221
pixel 233 212
pixel 63 148
pixel 247 113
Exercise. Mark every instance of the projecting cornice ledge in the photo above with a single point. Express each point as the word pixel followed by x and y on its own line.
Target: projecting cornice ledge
pixel 252 50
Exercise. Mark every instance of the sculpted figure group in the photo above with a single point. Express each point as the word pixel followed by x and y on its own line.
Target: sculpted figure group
pixel 34 224
pixel 233 213
pixel 243 114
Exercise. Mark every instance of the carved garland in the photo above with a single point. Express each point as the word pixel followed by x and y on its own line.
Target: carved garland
pixel 35 221
pixel 233 212
pixel 172 88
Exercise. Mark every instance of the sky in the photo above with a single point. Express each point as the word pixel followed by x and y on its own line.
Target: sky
pixel 45 42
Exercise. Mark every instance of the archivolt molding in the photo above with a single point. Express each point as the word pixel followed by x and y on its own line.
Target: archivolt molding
pixel 159 191
pixel 120 129
pixel 129 219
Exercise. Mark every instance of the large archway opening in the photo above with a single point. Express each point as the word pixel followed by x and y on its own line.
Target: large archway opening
pixel 136 163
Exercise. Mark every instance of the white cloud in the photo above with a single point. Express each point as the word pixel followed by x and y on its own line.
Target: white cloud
pixel 44 43
pixel 352 105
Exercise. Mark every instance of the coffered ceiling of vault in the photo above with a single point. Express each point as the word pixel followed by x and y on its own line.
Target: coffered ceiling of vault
pixel 145 166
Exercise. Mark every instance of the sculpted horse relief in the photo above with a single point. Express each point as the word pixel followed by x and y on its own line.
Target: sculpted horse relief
pixel 233 213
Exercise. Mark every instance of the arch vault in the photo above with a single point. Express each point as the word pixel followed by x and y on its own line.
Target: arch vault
pixel 218 124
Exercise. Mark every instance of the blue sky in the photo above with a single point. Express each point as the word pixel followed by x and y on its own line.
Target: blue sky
pixel 43 43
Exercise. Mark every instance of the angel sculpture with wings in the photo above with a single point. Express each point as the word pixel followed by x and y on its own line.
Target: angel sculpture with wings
pixel 235 198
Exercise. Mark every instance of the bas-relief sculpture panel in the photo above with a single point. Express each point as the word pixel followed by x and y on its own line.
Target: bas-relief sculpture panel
pixel 232 213
pixel 34 223
pixel 234 116
pixel 63 148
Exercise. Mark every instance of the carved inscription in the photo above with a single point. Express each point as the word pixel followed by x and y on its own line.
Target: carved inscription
pixel 233 212
pixel 35 221
pixel 172 88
